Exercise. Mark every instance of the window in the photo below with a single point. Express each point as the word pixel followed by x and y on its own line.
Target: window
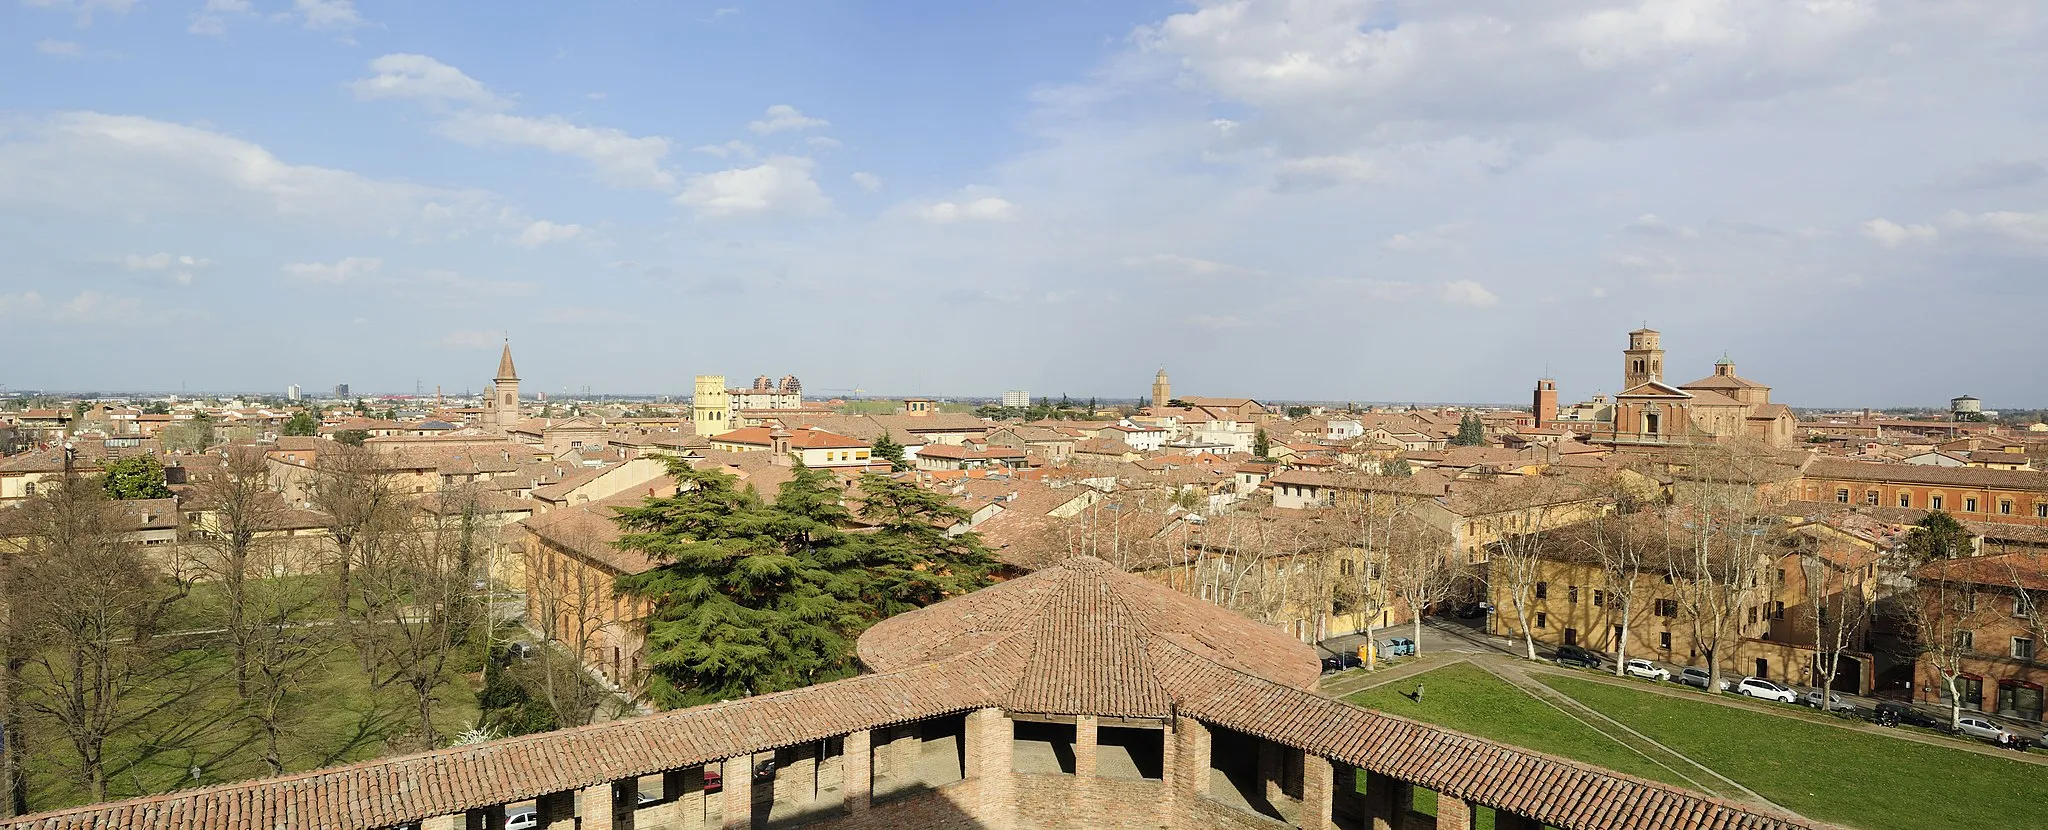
pixel 1752 615
pixel 2022 648
pixel 1542 590
pixel 1964 641
pixel 1571 595
pixel 2041 510
pixel 1667 579
pixel 1664 640
pixel 1870 497
pixel 2019 606
pixel 1842 495
pixel 1777 610
pixel 1969 505
pixel 1905 499
pixel 1617 634
pixel 29 489
pixel 1541 618
pixel 1599 598
pixel 1346 567
pixel 1934 502
pixel 2004 507
pixel 1667 608
pixel 1781 578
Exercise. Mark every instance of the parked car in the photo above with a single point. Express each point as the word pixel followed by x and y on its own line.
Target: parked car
pixel 1762 689
pixel 1399 647
pixel 1576 656
pixel 1893 713
pixel 713 781
pixel 1834 703
pixel 1340 662
pixel 1978 726
pixel 1696 678
pixel 1645 669
pixel 525 818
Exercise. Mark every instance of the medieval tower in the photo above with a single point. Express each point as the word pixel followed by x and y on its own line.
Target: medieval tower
pixel 1644 360
pixel 710 407
pixel 1162 389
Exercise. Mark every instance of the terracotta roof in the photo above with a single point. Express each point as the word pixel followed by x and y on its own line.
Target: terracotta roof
pixel 505 370
pixel 800 438
pixel 1836 469
pixel 2028 570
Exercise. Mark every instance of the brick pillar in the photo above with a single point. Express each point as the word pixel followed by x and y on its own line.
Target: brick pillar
pixel 1084 746
pixel 990 739
pixel 1272 770
pixel 682 808
pixel 737 807
pixel 1191 756
pixel 1317 780
pixel 455 822
pixel 1454 813
pixel 556 810
pixel 860 781
pixel 799 780
pixel 1387 800
pixel 594 806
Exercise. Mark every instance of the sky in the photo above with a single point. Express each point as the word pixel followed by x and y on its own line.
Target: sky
pixel 1316 199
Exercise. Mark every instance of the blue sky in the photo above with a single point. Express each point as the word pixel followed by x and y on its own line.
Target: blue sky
pixel 1331 199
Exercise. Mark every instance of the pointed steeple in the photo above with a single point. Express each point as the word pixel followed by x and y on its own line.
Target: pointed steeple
pixel 505 370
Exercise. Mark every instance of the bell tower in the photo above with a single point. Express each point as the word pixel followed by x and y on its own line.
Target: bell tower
pixel 710 407
pixel 1162 389
pixel 1644 360
pixel 505 393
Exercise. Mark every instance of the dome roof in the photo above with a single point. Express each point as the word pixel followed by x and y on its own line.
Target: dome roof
pixel 1083 638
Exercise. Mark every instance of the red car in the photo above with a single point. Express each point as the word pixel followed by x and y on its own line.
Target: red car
pixel 713 782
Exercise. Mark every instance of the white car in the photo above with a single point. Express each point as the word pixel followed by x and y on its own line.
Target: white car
pixel 1646 670
pixel 525 818
pixel 1979 727
pixel 1762 689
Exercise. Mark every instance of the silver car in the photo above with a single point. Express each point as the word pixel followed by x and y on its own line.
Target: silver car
pixel 1978 726
pixel 1835 703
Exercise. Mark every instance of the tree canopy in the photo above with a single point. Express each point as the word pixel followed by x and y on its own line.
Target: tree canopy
pixel 1471 432
pixel 137 477
pixel 1261 445
pixel 1937 536
pixel 754 597
pixel 302 423
pixel 886 449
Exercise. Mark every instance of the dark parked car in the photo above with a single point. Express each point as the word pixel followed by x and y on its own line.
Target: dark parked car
pixel 1575 656
pixel 1340 662
pixel 1892 713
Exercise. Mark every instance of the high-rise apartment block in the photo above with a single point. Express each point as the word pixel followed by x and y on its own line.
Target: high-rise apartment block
pixel 1017 398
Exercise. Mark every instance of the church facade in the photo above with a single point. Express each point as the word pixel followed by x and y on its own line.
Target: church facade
pixel 1720 407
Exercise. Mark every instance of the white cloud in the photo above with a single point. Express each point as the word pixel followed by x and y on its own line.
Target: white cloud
pixel 130 166
pixel 1318 172
pixel 621 159
pixel 61 48
pixel 329 16
pixel 159 262
pixel 822 142
pixel 779 185
pixel 419 76
pixel 212 18
pixel 726 150
pixel 867 181
pixel 543 232
pixel 1892 234
pixel 349 269
pixel 985 209
pixel 785 117
pixel 86 307
pixel 84 9
pixel 2018 226
pixel 1179 265
pixel 1467 293
pixel 1650 224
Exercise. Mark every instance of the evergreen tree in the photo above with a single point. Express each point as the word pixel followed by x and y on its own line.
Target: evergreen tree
pixel 138 477
pixel 302 424
pixel 1937 536
pixel 910 559
pixel 1396 467
pixel 751 598
pixel 352 437
pixel 887 449
pixel 1261 446
pixel 1471 432
pixel 1092 406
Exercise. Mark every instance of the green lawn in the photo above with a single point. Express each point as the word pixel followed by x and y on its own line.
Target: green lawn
pixel 1470 699
pixel 1826 772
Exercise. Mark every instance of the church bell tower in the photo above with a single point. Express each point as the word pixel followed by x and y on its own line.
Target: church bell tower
pixel 1644 360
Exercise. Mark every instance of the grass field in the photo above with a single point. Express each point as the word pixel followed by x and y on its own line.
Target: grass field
pixel 1469 699
pixel 1826 772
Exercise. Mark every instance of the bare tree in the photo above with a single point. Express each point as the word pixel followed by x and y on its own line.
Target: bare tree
pixel 1369 515
pixel 239 507
pixel 1423 569
pixel 1519 512
pixel 89 609
pixel 1945 615
pixel 1622 539
pixel 568 601
pixel 419 611
pixel 1718 545
pixel 1838 604
pixel 283 647
pixel 350 486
